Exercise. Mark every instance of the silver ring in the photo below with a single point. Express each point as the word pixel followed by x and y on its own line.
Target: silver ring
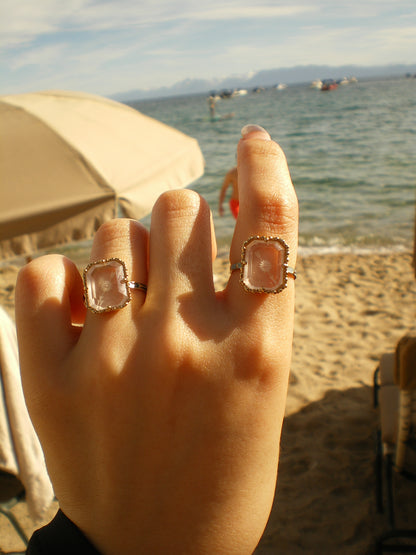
pixel 137 285
pixel 106 285
pixel 264 265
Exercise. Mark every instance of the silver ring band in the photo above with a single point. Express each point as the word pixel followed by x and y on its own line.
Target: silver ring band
pixel 137 285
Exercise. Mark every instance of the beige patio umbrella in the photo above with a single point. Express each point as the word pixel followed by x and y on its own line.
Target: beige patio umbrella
pixel 70 161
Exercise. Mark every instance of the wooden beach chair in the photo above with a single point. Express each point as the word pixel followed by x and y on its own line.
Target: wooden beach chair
pixel 395 396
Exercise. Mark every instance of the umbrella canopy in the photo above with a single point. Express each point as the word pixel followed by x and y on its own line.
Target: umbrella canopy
pixel 69 161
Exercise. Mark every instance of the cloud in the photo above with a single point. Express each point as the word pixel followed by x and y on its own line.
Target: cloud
pixel 42 57
pixel 22 21
pixel 101 44
pixel 27 20
pixel 401 41
pixel 348 45
pixel 227 12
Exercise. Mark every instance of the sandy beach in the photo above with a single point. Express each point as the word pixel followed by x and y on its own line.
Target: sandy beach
pixel 349 310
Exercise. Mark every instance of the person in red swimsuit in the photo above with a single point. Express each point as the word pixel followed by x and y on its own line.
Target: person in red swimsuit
pixel 231 179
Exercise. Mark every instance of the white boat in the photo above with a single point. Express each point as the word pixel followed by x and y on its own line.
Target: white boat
pixel 316 84
pixel 281 86
pixel 239 92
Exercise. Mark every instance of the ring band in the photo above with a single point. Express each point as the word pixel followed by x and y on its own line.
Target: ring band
pixel 137 285
pixel 264 265
pixel 106 285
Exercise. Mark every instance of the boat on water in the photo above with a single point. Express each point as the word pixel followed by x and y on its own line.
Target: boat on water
pixel 240 92
pixel 329 85
pixel 226 93
pixel 281 86
pixel 316 84
pixel 343 81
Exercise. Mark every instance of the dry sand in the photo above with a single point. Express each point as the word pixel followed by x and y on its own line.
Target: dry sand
pixel 349 310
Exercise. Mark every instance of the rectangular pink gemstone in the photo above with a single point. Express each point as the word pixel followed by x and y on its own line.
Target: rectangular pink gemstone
pixel 264 268
pixel 106 285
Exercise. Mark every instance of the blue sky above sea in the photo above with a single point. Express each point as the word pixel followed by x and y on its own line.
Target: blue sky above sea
pixel 105 47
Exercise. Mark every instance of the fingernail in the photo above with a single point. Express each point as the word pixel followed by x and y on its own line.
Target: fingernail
pixel 260 132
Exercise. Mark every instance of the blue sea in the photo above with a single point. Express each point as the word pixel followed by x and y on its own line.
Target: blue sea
pixel 351 153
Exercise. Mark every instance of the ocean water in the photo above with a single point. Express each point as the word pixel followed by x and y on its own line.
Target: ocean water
pixel 351 153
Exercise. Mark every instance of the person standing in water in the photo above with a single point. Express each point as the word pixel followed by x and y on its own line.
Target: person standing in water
pixel 211 102
pixel 230 179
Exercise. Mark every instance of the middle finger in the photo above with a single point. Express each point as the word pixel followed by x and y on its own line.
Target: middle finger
pixel 182 246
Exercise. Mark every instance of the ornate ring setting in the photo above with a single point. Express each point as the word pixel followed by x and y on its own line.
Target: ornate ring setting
pixel 106 285
pixel 264 265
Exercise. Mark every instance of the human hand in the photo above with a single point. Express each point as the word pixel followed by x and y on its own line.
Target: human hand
pixel 161 422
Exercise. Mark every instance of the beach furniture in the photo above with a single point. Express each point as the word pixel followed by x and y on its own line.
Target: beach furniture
pixel 23 474
pixel 71 161
pixel 395 397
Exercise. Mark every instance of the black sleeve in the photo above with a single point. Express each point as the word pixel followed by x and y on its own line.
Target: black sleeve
pixel 61 536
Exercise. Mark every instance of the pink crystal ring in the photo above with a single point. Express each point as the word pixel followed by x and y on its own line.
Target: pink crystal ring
pixel 106 285
pixel 264 265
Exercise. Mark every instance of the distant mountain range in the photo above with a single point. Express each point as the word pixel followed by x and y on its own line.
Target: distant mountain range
pixel 268 78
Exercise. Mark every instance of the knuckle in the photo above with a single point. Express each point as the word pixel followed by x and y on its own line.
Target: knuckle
pixel 178 202
pixel 277 209
pixel 32 277
pixel 111 230
pixel 273 195
pixel 259 148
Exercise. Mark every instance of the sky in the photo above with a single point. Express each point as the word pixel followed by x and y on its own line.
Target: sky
pixel 106 47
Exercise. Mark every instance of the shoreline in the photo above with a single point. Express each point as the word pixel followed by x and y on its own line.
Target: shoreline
pixel 349 310
pixel 79 252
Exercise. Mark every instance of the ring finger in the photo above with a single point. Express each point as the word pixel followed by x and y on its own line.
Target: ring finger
pixel 268 207
pixel 122 245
